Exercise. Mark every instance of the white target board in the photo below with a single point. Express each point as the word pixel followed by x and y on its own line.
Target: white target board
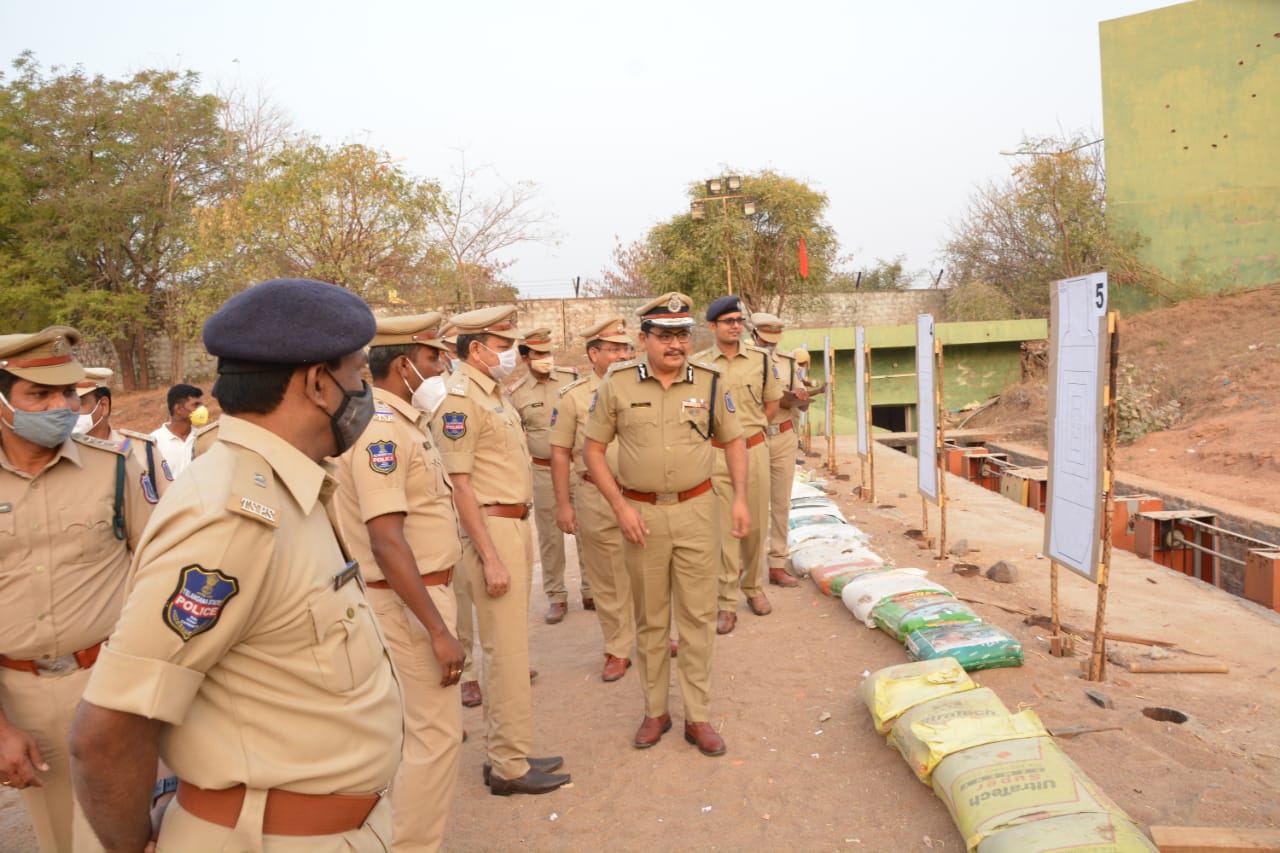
pixel 926 410
pixel 860 367
pixel 1077 367
pixel 828 407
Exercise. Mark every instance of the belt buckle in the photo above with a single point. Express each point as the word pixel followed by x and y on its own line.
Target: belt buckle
pixel 666 498
pixel 56 666
pixel 773 429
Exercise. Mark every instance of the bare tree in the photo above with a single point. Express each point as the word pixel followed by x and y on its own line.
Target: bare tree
pixel 627 277
pixel 473 229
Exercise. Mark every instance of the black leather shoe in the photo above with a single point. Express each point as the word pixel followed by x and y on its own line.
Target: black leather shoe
pixel 542 765
pixel 533 782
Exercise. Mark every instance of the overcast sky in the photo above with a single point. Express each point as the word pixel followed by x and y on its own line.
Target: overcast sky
pixel 896 110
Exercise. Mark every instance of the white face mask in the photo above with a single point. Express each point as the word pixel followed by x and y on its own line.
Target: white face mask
pixel 85 422
pixel 430 393
pixel 508 360
pixel 542 366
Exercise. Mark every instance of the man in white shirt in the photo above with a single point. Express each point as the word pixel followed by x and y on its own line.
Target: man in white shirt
pixel 175 437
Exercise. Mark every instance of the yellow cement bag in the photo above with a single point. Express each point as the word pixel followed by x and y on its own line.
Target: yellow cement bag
pixel 989 789
pixel 1077 833
pixel 890 691
pixel 925 734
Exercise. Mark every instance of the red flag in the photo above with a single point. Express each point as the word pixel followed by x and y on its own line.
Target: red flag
pixel 804 260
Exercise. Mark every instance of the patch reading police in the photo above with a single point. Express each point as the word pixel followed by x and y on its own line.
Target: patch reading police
pixel 455 425
pixel 197 603
pixel 382 456
pixel 728 403
pixel 149 489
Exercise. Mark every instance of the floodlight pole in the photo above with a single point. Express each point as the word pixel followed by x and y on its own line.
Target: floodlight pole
pixel 1098 657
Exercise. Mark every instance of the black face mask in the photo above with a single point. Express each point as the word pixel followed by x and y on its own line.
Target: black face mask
pixel 354 414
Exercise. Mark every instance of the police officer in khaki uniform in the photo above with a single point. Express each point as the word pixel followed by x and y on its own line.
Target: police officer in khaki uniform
pixel 580 507
pixel 247 655
pixel 396 510
pixel 767 330
pixel 71 510
pixel 95 421
pixel 665 411
pixel 534 398
pixel 480 438
pixel 748 373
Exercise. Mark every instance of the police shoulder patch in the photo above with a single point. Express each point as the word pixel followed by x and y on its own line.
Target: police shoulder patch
pixel 555 412
pixel 728 403
pixel 149 489
pixel 455 424
pixel 594 398
pixel 382 456
pixel 168 472
pixel 197 603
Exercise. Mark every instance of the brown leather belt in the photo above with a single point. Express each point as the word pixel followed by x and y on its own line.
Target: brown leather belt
pixel 667 497
pixel 287 812
pixel 520 511
pixel 545 463
pixel 751 442
pixel 85 658
pixel 779 428
pixel 440 578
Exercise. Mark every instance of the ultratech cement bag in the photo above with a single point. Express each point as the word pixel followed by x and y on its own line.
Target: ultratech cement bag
pixel 830 532
pixel 890 691
pixel 989 789
pixel 863 594
pixel 852 564
pixel 976 645
pixel 900 614
pixel 1077 833
pixel 825 552
pixel 922 734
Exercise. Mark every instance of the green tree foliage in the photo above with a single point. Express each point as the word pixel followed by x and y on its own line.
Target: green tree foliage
pixel 761 251
pixel 1046 222
pixel 882 275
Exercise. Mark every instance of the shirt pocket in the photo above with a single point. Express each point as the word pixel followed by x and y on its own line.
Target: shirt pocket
pixel 696 420
pixel 347 648
pixel 641 425
pixel 86 531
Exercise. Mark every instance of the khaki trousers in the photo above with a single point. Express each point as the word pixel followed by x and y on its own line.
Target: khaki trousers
pixel 503 626
pixel 466 632
pixel 600 546
pixel 782 473
pixel 44 706
pixel 423 786
pixel 675 573
pixel 183 832
pixel 551 540
pixel 742 560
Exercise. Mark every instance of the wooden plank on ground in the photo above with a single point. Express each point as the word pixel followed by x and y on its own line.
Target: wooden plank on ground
pixel 1214 839
pixel 1167 667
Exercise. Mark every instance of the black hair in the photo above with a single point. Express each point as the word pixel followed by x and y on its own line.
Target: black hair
pixel 524 350
pixel 7 381
pixel 464 344
pixel 101 392
pixel 181 392
pixel 256 393
pixel 380 358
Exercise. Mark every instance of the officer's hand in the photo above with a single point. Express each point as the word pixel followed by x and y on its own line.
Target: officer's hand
pixel 566 520
pixel 632 525
pixel 497 579
pixel 741 517
pixel 20 758
pixel 448 652
pixel 801 395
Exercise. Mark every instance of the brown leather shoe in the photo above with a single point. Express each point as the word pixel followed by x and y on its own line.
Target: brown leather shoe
pixel 543 765
pixel 779 576
pixel 651 731
pixel 588 603
pixel 675 644
pixel 704 738
pixel 614 668
pixel 555 612
pixel 725 620
pixel 760 605
pixel 533 782
pixel 471 694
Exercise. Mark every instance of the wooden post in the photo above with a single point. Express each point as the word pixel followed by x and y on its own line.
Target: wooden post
pixel 831 410
pixel 938 455
pixel 871 443
pixel 1098 658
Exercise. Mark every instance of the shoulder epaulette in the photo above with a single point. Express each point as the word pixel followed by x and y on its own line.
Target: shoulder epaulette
pixel 100 444
pixel 148 437
pixel 568 371
pixel 708 354
pixel 384 413
pixel 787 356
pixel 711 368
pixel 574 384
pixel 458 384
pixel 619 366
pixel 755 348
pixel 253 492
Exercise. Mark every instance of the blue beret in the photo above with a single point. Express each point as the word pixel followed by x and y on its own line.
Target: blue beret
pixel 723 305
pixel 289 321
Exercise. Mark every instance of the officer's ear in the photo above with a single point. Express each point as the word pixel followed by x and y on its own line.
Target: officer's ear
pixel 313 383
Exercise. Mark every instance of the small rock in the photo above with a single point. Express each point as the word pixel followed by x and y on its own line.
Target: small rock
pixel 1158 653
pixel 961 548
pixel 1100 699
pixel 967 570
pixel 1003 572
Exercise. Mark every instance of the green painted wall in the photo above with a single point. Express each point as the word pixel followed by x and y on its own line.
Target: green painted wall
pixel 1191 112
pixel 979 360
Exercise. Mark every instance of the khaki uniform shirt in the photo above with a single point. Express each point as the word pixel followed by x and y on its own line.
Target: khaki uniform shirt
pixel 784 370
pixel 749 376
pixel 62 569
pixel 395 468
pixel 534 401
pixel 664 434
pixel 478 432
pixel 569 422
pixel 244 632
pixel 144 450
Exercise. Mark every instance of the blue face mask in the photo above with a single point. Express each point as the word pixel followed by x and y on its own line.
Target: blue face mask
pixel 47 429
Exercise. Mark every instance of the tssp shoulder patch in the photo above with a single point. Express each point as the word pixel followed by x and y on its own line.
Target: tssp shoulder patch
pixel 455 425
pixel 382 456
pixel 197 604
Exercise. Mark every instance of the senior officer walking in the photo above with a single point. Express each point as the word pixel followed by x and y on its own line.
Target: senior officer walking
pixel 483 446
pixel 71 511
pixel 247 655
pixel 580 507
pixel 766 329
pixel 95 420
pixel 665 411
pixel 396 510
pixel 534 398
pixel 747 372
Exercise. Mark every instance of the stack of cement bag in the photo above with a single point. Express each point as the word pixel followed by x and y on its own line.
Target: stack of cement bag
pixel 1008 786
pixel 923 615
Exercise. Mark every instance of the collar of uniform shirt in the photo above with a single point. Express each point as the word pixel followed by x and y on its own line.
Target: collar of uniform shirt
pixel 484 380
pixel 303 478
pixel 67 450
pixel 644 372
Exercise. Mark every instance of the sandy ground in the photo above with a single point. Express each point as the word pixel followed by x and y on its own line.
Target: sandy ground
pixel 795 778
